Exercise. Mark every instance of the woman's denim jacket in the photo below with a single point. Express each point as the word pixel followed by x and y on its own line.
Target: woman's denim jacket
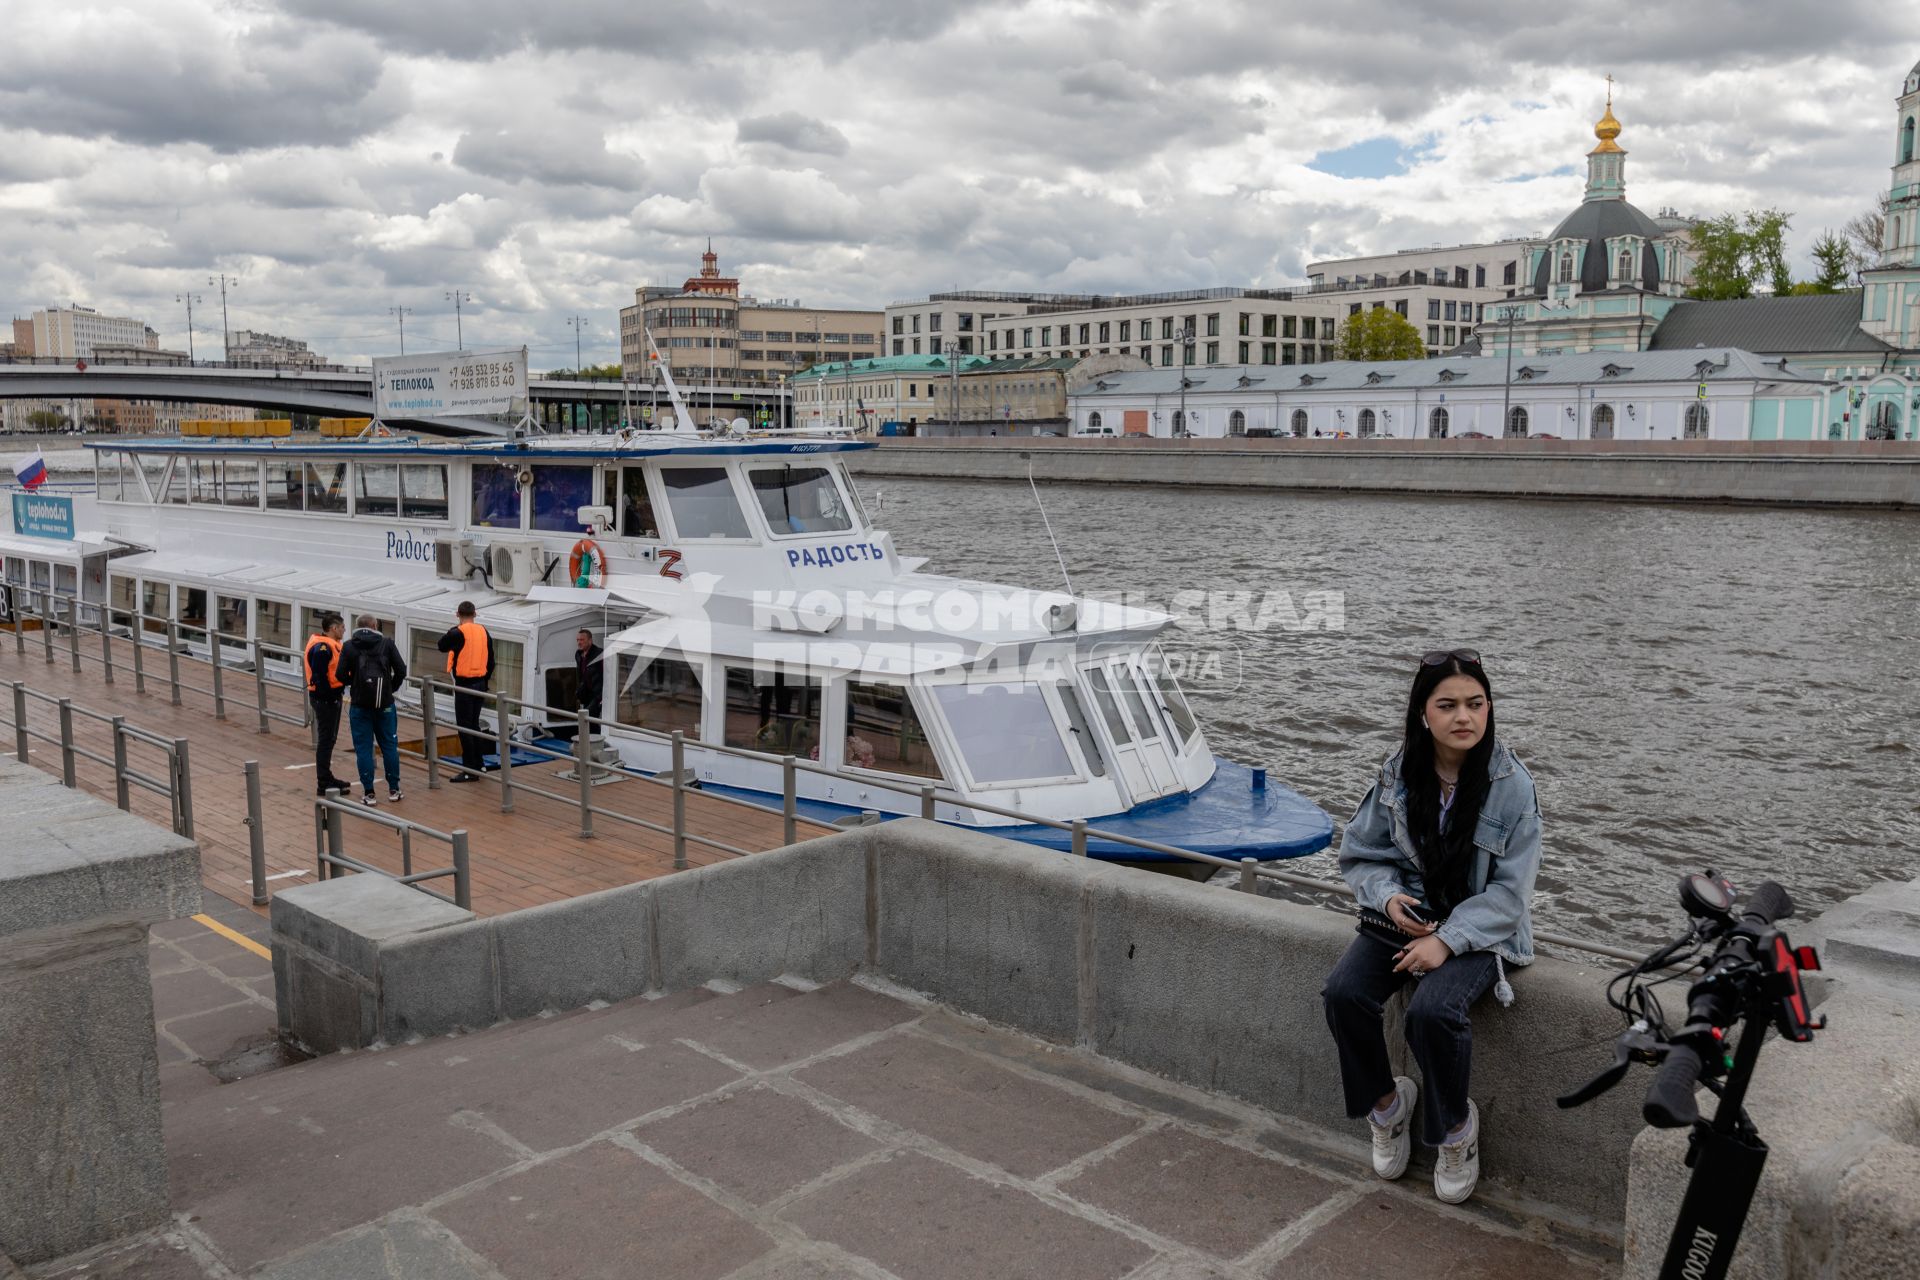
pixel 1377 858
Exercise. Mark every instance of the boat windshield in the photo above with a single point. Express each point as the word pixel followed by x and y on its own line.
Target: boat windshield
pixel 800 500
pixel 1006 732
pixel 702 502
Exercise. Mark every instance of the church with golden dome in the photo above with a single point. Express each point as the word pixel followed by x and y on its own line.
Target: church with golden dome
pixel 1607 275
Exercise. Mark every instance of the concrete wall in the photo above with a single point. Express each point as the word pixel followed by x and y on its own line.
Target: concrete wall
pixel 81 1156
pixel 1204 986
pixel 1810 472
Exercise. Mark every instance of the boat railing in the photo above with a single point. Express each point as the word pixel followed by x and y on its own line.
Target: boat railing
pixel 54 611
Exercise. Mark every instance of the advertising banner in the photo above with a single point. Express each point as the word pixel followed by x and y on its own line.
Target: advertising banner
pixel 449 384
pixel 43 515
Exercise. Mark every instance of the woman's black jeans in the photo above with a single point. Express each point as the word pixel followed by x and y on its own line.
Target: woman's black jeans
pixel 1438 1031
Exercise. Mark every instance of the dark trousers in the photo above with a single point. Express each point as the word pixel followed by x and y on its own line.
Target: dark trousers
pixel 466 714
pixel 1438 1031
pixel 326 725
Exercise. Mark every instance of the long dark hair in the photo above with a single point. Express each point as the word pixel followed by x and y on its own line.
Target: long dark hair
pixel 1446 855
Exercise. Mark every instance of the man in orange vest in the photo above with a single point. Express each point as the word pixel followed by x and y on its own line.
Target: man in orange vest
pixel 469 651
pixel 324 688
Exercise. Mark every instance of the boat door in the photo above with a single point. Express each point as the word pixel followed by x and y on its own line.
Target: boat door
pixel 1139 740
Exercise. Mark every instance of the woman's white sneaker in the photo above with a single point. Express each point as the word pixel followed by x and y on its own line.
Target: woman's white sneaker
pixel 1457 1170
pixel 1393 1140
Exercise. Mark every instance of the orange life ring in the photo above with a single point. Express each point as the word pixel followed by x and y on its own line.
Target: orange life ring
pixel 587 564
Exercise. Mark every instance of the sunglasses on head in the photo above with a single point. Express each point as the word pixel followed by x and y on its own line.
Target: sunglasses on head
pixel 1438 657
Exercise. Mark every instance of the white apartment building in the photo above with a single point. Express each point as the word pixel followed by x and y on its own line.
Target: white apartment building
pixel 270 350
pixel 1445 291
pixel 71 333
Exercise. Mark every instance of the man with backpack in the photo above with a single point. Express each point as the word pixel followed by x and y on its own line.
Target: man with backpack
pixel 372 670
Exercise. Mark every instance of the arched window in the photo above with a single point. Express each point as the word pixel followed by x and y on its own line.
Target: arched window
pixel 1885 423
pixel 1367 425
pixel 1626 264
pixel 1437 424
pixel 1906 141
pixel 1516 421
pixel 1695 427
pixel 1236 423
pixel 1566 268
pixel 1093 420
pixel 1603 422
pixel 1299 422
pixel 1179 422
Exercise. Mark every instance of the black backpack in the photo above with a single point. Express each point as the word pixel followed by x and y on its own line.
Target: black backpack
pixel 371 687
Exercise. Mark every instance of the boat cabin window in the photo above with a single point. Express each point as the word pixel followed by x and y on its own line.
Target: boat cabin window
pixel 286 486
pixel 326 485
pixel 1109 706
pixel 884 732
pixel 1006 732
pixel 310 621
pixel 376 489
pixel 16 571
pixel 275 623
pixel 773 711
pixel 703 503
pixel 800 500
pixel 636 505
pixel 166 477
pixel 1082 732
pixel 496 496
pixel 203 479
pixel 231 614
pixel 240 483
pixel 1129 683
pixel 66 580
pixel 509 665
pixel 665 696
pixel 1173 700
pixel 121 594
pixel 193 613
pixel 423 491
pixel 558 495
pixel 156 602
pixel 424 657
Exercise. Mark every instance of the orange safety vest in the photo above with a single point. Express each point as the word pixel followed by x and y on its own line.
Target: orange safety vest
pixel 333 668
pixel 469 661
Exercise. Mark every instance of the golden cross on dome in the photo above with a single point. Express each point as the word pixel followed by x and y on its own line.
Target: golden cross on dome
pixel 1609 93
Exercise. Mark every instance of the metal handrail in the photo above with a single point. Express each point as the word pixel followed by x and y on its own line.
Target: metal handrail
pixel 1251 870
pixel 177 786
pixel 330 849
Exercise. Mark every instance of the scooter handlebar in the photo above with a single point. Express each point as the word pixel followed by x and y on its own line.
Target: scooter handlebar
pixel 1767 903
pixel 1670 1098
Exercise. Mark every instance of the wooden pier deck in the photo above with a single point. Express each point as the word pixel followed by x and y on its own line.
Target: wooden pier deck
pixel 520 859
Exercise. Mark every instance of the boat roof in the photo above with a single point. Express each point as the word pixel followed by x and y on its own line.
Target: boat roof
pixel 574 449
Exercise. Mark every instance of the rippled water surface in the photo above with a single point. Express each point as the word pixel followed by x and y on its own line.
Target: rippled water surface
pixel 1689 685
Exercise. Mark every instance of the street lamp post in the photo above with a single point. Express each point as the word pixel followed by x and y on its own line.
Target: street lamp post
pixel 189 299
pixel 1508 316
pixel 225 284
pixel 1186 362
pixel 457 297
pixel 401 313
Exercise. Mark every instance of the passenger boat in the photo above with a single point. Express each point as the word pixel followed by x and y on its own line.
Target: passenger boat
pixel 742 597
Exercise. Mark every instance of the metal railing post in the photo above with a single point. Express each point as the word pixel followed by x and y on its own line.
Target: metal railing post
pixel 182 790
pixel 138 629
pixel 21 741
pixel 106 642
pixel 256 834
pixel 789 799
pixel 45 608
pixel 1079 837
pixel 336 839
pixel 926 803
pixel 73 635
pixel 462 875
pixel 18 613
pixel 679 801
pixel 260 684
pixel 430 731
pixel 503 743
pixel 122 795
pixel 582 754
pixel 173 658
pixel 67 777
pixel 1249 876
pixel 219 681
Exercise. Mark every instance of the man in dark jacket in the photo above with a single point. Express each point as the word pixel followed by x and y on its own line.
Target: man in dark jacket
pixel 592 675
pixel 321 657
pixel 372 669
pixel 469 650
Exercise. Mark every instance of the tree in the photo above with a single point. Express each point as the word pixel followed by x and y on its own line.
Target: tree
pixel 1835 261
pixel 1380 334
pixel 46 420
pixel 590 371
pixel 1732 252
pixel 1866 234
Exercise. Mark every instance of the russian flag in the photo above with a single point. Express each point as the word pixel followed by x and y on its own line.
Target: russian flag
pixel 31 471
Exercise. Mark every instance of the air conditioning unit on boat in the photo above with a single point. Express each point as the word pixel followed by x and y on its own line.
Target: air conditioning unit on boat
pixel 515 566
pixel 451 559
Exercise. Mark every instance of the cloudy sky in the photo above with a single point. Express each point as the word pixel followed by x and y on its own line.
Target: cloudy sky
pixel 344 157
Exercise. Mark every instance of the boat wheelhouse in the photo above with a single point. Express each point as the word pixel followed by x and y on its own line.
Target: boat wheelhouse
pixel 741 593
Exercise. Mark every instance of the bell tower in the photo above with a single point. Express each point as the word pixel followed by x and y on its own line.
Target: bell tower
pixel 1890 301
pixel 1607 163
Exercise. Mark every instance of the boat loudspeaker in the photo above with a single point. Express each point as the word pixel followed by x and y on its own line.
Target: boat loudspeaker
pixel 737 427
pixel 1063 616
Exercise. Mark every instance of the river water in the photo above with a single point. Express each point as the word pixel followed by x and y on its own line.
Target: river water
pixel 1690 686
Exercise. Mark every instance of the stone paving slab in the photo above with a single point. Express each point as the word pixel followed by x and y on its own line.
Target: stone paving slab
pixel 784 1031
pixel 1384 1237
pixel 756 1144
pixel 400 1248
pixel 601 1213
pixel 977 1107
pixel 923 1220
pixel 155 1255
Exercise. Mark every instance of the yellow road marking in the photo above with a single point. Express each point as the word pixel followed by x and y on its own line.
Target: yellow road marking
pixel 231 936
